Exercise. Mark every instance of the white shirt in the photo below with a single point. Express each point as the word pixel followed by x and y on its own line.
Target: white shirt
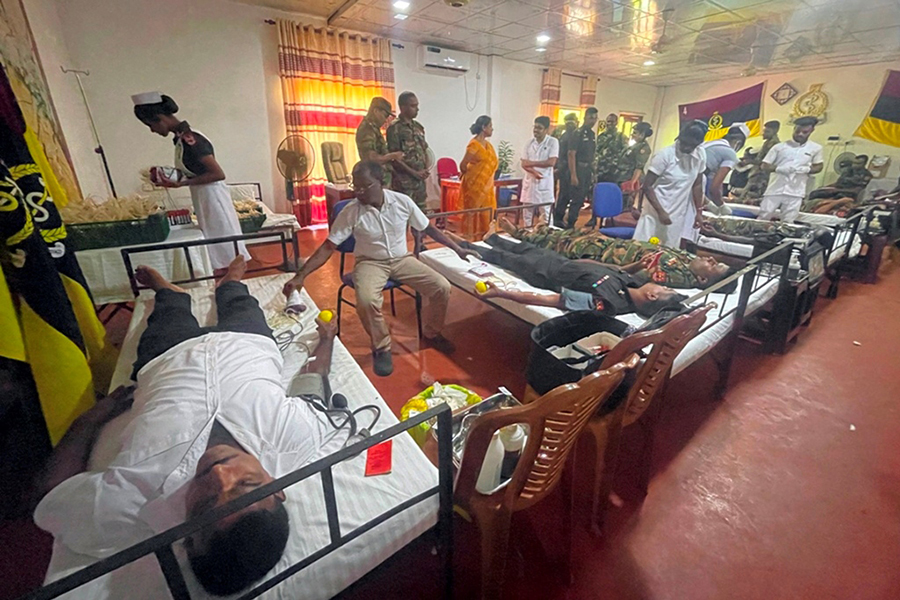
pixel 676 173
pixel 791 154
pixel 534 190
pixel 230 378
pixel 379 234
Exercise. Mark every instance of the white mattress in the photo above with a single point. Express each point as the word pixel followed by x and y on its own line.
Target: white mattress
pixel 359 498
pixel 447 263
pixel 803 217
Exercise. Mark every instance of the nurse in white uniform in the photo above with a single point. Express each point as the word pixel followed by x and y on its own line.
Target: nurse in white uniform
pixel 194 156
pixel 673 185
pixel 540 158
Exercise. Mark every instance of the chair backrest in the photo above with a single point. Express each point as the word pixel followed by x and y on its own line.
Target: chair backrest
pixel 607 200
pixel 446 168
pixel 334 163
pixel 348 245
pixel 667 341
pixel 555 420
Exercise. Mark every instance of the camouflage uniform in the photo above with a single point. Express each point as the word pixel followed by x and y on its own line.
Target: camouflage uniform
pixel 610 145
pixel 368 139
pixel 758 181
pixel 753 227
pixel 409 137
pixel 670 266
pixel 632 158
pixel 853 177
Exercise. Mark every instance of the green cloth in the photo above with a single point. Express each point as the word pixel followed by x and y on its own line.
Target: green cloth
pixel 409 137
pixel 669 267
pixel 369 139
pixel 609 146
pixel 632 157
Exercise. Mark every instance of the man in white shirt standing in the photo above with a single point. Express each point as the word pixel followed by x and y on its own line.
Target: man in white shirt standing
pixel 538 161
pixel 792 161
pixel 378 220
pixel 212 423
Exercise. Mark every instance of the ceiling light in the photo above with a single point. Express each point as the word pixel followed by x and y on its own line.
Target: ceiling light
pixel 401 17
pixel 543 38
pixel 401 4
pixel 649 62
pixel 540 49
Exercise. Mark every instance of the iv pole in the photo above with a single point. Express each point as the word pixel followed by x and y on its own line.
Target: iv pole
pixel 99 148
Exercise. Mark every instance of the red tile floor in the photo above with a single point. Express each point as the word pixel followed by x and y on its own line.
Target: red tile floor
pixel 789 487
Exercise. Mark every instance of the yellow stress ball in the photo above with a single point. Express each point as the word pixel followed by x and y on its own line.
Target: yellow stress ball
pixel 326 316
pixel 481 287
pixel 654 240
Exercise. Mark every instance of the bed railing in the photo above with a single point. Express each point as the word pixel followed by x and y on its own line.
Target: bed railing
pixel 277 236
pixel 161 545
pixel 850 230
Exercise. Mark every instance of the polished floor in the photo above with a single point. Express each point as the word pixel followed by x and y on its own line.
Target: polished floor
pixel 788 488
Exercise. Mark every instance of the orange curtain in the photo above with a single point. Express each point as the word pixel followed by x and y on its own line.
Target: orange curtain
pixel 588 91
pixel 550 85
pixel 328 78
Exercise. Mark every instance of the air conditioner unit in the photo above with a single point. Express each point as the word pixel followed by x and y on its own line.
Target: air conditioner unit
pixel 442 60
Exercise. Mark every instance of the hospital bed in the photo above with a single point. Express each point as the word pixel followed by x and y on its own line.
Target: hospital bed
pixel 757 283
pixel 343 524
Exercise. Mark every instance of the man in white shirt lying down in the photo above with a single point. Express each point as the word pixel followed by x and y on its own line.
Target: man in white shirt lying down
pixel 213 422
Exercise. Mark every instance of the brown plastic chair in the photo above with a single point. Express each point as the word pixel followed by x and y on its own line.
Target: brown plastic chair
pixel 334 162
pixel 667 342
pixel 554 423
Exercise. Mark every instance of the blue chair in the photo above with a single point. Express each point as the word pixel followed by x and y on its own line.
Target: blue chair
pixel 347 247
pixel 608 204
pixel 740 212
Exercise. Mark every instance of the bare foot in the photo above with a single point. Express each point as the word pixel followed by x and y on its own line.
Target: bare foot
pixel 492 229
pixel 507 227
pixel 235 271
pixel 455 238
pixel 152 279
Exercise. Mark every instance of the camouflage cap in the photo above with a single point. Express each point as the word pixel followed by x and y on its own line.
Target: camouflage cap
pixel 383 104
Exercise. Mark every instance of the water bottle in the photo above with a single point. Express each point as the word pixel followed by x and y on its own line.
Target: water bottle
pixel 513 439
pixel 489 477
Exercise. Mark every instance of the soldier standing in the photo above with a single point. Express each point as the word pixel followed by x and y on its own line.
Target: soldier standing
pixel 407 136
pixel 370 143
pixel 580 158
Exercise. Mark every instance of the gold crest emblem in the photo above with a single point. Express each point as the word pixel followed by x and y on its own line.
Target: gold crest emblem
pixel 813 103
pixel 715 121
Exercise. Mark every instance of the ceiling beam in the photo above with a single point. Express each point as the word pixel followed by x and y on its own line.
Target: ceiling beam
pixel 347 5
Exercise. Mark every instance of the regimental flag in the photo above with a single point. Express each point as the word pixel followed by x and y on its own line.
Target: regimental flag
pixel 882 125
pixel 721 113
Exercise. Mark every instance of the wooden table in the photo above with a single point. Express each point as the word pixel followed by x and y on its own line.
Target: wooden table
pixel 333 195
pixel 450 192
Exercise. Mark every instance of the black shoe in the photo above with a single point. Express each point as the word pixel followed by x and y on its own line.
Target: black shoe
pixel 440 343
pixel 384 363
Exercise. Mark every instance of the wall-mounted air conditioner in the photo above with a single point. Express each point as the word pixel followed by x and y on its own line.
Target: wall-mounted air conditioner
pixel 442 60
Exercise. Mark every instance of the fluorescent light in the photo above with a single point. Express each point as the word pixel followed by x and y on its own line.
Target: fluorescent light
pixel 543 38
pixel 401 4
pixel 401 17
pixel 649 62
pixel 540 49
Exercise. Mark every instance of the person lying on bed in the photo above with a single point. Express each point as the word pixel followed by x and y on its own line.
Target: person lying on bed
pixel 747 231
pixel 579 284
pixel 212 423
pixel 660 264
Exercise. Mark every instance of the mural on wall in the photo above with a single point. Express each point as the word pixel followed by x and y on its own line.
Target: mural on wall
pixel 813 103
pixel 18 55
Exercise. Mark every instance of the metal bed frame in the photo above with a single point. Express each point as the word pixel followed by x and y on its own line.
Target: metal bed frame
pixel 161 544
pixel 844 235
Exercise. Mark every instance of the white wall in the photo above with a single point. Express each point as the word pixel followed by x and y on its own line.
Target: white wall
pixel 53 52
pixel 851 91
pixel 616 96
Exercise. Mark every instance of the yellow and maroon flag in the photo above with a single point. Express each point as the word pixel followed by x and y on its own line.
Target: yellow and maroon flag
pixel 744 106
pixel 882 124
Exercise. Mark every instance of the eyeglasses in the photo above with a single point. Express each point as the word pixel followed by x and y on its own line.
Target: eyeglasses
pixel 361 188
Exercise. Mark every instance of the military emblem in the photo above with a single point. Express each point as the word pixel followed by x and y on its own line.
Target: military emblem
pixel 715 121
pixel 813 103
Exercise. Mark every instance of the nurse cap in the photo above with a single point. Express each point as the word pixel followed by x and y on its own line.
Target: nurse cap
pixel 742 127
pixel 147 98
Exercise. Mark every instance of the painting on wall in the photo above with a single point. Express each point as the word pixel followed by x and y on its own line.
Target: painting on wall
pixel 19 57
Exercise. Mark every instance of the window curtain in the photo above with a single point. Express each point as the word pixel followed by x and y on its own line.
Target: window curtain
pixel 550 86
pixel 588 91
pixel 328 78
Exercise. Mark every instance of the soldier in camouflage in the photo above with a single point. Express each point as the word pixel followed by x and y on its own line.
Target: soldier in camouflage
pixel 737 229
pixel 406 135
pixel 852 181
pixel 665 266
pixel 370 143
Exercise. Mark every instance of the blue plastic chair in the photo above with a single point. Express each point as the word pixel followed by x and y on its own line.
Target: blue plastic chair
pixel 607 204
pixel 347 247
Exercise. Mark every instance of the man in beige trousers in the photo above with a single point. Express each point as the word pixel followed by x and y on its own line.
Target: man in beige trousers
pixel 378 220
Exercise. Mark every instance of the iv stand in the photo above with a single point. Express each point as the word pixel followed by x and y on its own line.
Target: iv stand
pixel 99 149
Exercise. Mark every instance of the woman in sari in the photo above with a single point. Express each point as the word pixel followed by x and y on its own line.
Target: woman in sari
pixel 477 169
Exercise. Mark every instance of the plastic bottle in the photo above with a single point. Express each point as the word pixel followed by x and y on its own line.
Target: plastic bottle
pixel 489 477
pixel 513 439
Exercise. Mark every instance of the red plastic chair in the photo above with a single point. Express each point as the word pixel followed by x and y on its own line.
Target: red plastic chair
pixel 447 168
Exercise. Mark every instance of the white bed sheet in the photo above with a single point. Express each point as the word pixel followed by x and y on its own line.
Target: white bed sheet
pixel 359 498
pixel 448 264
pixel 803 217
